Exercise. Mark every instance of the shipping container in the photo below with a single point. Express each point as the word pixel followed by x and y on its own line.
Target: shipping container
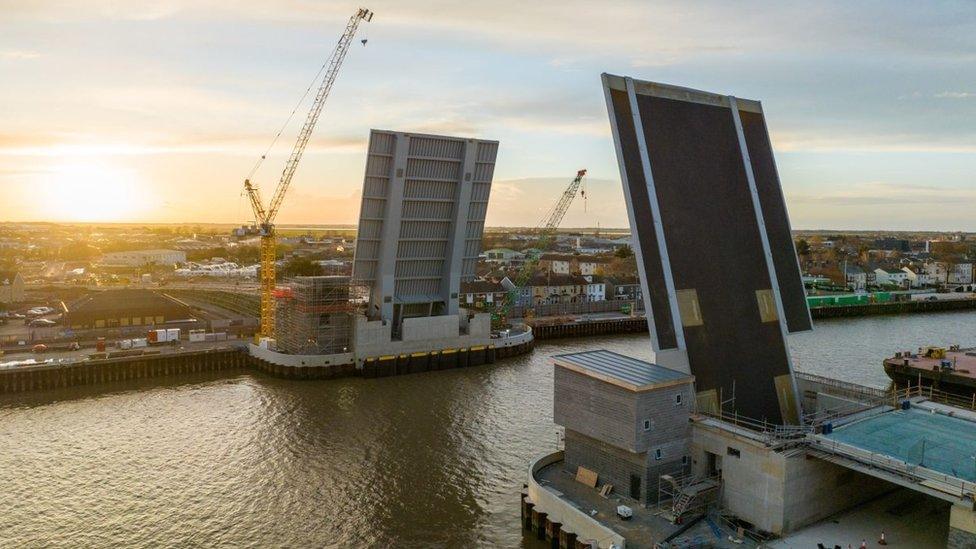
pixel 198 335
pixel 173 334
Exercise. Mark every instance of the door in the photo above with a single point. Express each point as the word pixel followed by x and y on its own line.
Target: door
pixel 635 487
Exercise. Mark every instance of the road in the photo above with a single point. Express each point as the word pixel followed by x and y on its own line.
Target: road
pixel 68 357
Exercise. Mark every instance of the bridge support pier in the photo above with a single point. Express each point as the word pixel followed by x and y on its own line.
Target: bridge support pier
pixel 962 528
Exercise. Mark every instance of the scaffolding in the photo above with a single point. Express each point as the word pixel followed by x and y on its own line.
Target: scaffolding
pixel 688 494
pixel 314 315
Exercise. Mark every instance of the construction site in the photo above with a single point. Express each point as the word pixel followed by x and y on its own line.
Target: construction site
pixel 314 315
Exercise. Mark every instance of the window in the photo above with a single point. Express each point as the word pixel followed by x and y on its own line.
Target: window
pixel 677 399
pixel 684 460
pixel 733 452
pixel 658 454
pixel 647 425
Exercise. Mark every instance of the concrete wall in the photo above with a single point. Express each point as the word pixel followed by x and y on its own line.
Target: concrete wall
pixel 564 512
pixel 299 360
pixel 374 338
pixel 778 491
pixel 816 489
pixel 962 528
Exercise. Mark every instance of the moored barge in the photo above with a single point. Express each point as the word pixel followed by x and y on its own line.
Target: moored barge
pixel 952 370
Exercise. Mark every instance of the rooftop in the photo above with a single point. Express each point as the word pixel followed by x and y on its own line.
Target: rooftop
pixel 624 371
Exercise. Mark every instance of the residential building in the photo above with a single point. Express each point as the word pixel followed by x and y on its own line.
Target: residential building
pixel 590 265
pixel 596 288
pixel 960 274
pixel 917 277
pixel 624 289
pixel 556 263
pixel 550 288
pixel 11 287
pixel 481 293
pixel 506 256
pixel 855 277
pixel 891 277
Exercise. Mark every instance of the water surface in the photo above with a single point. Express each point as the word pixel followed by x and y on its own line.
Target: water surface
pixel 428 460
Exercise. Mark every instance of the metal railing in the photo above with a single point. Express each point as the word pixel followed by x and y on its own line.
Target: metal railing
pixel 935 480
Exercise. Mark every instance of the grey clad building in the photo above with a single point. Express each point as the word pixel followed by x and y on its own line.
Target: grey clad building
pixel 421 222
pixel 625 419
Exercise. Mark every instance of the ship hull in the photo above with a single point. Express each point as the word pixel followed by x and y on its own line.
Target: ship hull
pixel 947 381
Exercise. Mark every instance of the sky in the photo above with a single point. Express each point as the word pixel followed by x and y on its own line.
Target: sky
pixel 155 110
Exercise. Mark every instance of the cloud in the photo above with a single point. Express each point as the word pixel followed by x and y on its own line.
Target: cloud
pixel 19 54
pixel 879 193
pixel 955 95
pixel 68 144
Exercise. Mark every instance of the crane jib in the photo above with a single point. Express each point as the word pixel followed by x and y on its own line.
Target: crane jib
pixel 265 217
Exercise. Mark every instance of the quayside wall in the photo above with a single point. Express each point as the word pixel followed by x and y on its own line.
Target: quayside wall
pixel 92 372
pixel 237 358
pixel 893 308
pixel 639 324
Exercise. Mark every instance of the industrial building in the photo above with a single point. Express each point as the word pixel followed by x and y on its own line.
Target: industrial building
pixel 123 308
pixel 143 258
pixel 314 315
pixel 421 221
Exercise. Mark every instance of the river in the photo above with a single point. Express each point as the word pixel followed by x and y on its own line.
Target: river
pixel 428 460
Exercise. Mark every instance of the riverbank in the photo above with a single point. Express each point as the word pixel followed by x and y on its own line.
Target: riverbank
pixel 636 324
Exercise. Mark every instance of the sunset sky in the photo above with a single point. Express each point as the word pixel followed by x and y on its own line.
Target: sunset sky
pixel 154 111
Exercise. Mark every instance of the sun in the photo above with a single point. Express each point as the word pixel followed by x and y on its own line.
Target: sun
pixel 93 191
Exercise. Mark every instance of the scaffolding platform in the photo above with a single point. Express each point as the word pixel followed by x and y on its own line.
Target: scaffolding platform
pixel 314 315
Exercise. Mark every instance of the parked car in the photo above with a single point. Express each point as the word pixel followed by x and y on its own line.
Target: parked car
pixel 39 348
pixel 42 323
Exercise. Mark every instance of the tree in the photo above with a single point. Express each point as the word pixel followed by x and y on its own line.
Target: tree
pixel 300 266
pixel 623 252
pixel 802 247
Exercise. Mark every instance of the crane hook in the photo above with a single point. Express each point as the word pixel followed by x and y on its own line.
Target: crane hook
pixel 364 41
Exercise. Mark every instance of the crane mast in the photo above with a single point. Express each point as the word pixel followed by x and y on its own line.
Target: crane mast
pixel 548 227
pixel 264 217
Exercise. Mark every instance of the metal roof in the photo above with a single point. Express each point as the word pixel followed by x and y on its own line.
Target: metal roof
pixel 621 370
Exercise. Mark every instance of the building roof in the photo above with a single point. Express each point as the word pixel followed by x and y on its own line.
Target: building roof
pixel 623 371
pixel 126 301
pixel 556 280
pixel 481 287
pixel 557 257
pixel 159 251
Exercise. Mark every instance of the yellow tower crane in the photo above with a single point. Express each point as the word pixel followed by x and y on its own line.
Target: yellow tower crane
pixel 264 217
